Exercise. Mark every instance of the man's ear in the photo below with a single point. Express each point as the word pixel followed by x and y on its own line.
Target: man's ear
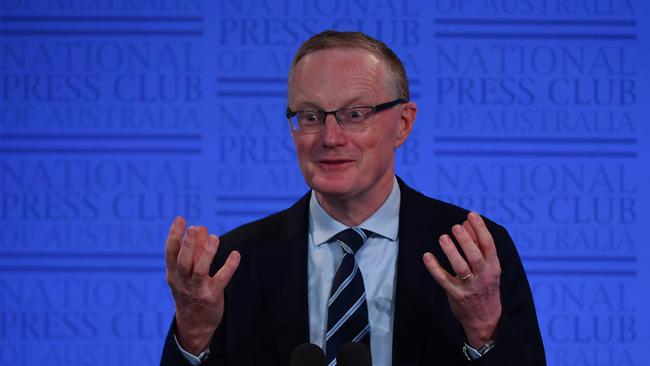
pixel 407 119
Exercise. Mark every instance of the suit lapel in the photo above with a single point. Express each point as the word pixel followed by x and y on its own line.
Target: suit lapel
pixel 284 281
pixel 416 291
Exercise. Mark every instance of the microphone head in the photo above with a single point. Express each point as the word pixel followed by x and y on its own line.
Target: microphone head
pixel 307 354
pixel 353 354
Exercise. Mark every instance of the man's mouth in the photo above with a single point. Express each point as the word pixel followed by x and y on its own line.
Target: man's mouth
pixel 341 161
pixel 334 163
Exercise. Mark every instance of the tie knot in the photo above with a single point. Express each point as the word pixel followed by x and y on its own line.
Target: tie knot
pixel 352 239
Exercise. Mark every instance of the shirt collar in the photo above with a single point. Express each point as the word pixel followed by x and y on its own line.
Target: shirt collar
pixel 383 222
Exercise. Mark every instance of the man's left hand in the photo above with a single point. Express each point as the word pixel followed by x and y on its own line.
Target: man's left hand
pixel 474 292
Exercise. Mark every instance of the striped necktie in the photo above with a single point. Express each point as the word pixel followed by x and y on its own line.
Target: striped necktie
pixel 347 309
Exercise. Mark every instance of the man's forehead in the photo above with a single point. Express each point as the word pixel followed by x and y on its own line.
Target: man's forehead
pixel 312 96
pixel 358 75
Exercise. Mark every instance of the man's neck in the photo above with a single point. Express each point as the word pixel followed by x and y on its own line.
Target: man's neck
pixel 352 211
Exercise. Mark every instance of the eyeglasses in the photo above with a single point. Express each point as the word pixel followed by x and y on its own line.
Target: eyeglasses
pixel 350 119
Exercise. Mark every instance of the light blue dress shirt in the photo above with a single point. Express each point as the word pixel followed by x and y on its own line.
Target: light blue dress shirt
pixel 377 260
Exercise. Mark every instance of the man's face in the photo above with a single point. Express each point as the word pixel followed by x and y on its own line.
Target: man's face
pixel 336 163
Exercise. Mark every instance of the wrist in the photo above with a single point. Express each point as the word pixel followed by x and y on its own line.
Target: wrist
pixel 193 359
pixel 478 336
pixel 193 345
pixel 480 341
pixel 193 339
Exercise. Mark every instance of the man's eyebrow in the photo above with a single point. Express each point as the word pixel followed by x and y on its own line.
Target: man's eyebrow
pixel 307 106
pixel 311 106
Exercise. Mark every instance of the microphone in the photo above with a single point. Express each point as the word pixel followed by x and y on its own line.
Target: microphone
pixel 353 354
pixel 307 354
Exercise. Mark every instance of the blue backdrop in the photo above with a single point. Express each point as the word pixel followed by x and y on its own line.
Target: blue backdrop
pixel 118 115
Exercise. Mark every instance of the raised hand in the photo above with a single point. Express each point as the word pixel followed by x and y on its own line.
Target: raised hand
pixel 198 297
pixel 473 292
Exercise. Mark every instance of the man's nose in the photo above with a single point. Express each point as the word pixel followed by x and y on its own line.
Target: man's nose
pixel 332 133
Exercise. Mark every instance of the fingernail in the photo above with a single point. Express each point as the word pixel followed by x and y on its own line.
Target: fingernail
pixel 456 229
pixel 473 216
pixel 445 239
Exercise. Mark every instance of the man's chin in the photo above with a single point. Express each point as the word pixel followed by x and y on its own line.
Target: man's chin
pixel 332 187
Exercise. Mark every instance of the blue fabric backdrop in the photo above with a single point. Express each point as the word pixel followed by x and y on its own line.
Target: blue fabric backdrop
pixel 116 116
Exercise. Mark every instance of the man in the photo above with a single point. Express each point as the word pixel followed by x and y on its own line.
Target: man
pixel 288 279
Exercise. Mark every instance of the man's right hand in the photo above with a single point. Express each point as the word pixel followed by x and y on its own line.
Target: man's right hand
pixel 197 296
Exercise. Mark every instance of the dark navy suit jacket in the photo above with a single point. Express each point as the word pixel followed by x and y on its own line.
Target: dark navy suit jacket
pixel 266 314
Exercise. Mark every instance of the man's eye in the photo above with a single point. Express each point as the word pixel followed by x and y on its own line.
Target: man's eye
pixel 355 114
pixel 310 117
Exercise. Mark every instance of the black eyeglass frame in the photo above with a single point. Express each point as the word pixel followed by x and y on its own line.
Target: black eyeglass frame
pixel 375 108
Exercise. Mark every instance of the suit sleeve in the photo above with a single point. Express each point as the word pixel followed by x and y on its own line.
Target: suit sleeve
pixel 518 339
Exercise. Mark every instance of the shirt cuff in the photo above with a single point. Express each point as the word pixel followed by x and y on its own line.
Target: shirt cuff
pixel 193 360
pixel 472 353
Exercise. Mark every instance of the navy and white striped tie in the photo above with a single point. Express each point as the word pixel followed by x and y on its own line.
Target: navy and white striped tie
pixel 347 314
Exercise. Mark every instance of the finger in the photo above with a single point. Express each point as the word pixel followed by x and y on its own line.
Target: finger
pixel 470 248
pixel 458 264
pixel 223 276
pixel 186 254
pixel 173 242
pixel 470 230
pixel 203 263
pixel 444 279
pixel 200 243
pixel 485 240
